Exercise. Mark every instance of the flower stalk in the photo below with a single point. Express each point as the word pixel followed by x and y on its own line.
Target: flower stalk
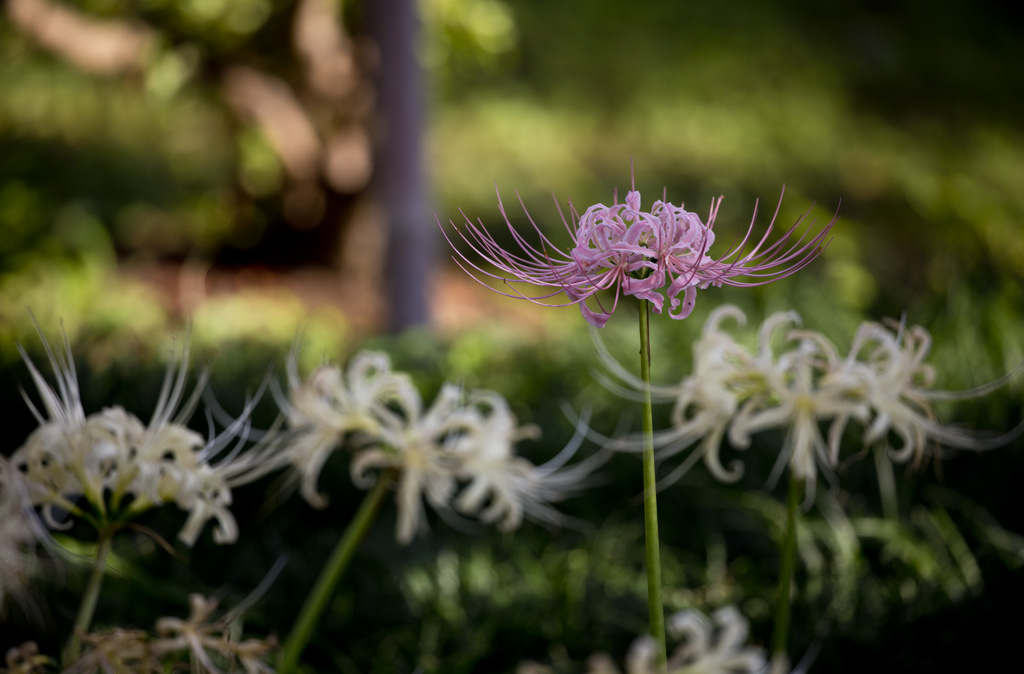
pixel 787 563
pixel 654 600
pixel 332 572
pixel 89 599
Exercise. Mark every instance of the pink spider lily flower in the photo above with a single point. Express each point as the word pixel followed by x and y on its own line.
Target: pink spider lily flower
pixel 650 255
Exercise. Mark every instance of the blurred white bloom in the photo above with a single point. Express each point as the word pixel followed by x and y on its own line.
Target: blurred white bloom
pixel 715 645
pixel 18 536
pixel 704 403
pixel 54 457
pixel 503 486
pixel 463 440
pixel 122 467
pixel 497 477
pixel 117 650
pixel 206 494
pixel 710 646
pixel 725 376
pixel 800 401
pixel 327 406
pixel 707 401
pixel 887 367
pixel 421 446
pixel 883 383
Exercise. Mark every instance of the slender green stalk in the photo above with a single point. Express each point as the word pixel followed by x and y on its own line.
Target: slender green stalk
pixel 886 485
pixel 335 567
pixel 654 601
pixel 780 638
pixel 92 594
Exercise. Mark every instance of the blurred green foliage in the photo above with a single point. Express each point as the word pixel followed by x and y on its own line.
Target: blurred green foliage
pixel 912 113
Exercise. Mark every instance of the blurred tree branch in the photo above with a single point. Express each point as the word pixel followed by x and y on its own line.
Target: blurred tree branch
pixel 311 100
pixel 99 46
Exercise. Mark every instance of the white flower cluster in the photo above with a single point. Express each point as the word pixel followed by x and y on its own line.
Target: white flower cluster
pixel 458 453
pixel 121 467
pixel 715 645
pixel 883 383
pixel 17 537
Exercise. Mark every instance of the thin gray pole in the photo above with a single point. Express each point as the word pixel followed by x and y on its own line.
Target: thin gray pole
pixel 400 181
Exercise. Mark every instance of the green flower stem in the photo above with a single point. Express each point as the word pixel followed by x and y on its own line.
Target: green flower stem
pixel 335 567
pixel 780 638
pixel 92 594
pixel 654 601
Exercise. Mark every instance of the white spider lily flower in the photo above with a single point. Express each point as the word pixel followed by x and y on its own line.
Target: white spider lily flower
pixel 703 403
pixel 167 462
pixel 715 645
pixel 421 446
pixel 800 402
pixel 56 458
pixel 503 487
pixel 883 383
pixel 498 479
pixel 725 375
pixel 158 460
pixel 462 440
pixel 206 495
pixel 176 464
pixel 467 441
pixel 888 366
pixel 123 467
pixel 55 477
pixel 18 537
pixel 707 401
pixel 327 406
